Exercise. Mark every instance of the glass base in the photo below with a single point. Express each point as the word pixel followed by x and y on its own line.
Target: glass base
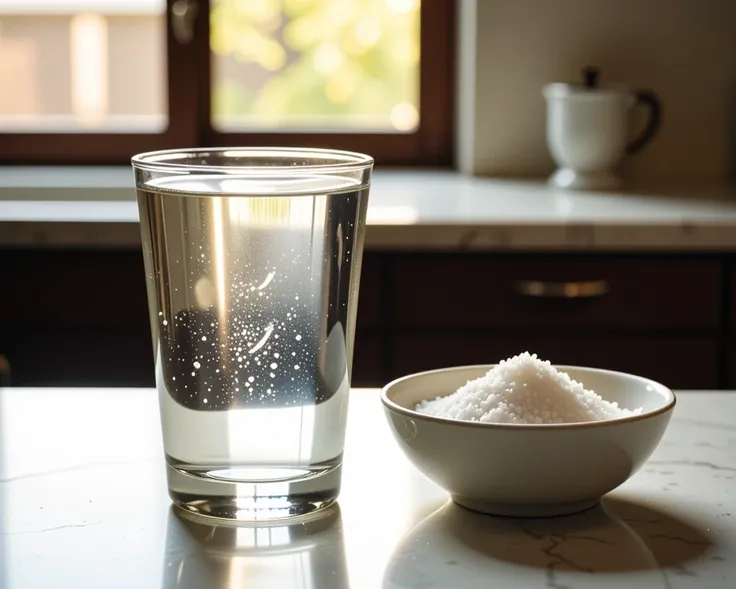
pixel 241 494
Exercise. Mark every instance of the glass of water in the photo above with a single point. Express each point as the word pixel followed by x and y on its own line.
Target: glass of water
pixel 252 259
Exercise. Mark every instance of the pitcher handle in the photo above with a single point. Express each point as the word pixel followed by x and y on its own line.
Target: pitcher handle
pixel 651 101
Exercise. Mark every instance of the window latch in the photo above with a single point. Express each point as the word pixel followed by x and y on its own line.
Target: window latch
pixel 183 15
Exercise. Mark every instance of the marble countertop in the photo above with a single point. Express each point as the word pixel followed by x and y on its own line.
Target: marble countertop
pixel 83 504
pixel 413 210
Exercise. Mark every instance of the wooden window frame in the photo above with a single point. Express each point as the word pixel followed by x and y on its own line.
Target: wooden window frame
pixel 188 87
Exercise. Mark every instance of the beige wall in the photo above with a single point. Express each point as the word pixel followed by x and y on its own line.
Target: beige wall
pixel 685 50
pixel 35 58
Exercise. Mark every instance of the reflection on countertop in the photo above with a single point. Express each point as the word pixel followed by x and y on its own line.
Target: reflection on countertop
pixel 302 555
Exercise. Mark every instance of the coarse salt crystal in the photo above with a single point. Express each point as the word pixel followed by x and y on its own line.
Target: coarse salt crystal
pixel 524 390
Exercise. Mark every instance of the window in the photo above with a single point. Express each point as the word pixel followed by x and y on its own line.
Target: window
pixel 95 81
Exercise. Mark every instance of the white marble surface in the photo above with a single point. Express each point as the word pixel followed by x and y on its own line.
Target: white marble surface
pixel 409 210
pixel 83 504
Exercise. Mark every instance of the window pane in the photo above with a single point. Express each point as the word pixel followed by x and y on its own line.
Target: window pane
pixel 315 65
pixel 83 66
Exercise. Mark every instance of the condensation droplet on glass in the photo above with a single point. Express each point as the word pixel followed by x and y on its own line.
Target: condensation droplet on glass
pixel 296 366
pixel 197 365
pixel 160 313
pixel 276 355
pixel 164 323
pixel 204 338
pixel 298 337
pixel 272 375
pixel 217 370
pixel 204 401
pixel 251 378
pixel 274 366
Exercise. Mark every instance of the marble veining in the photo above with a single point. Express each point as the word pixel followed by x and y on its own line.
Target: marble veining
pixel 431 210
pixel 83 504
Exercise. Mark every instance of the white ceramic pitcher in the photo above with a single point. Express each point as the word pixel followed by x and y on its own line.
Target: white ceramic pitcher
pixel 588 130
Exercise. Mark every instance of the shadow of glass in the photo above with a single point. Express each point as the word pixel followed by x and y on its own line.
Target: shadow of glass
pixel 616 537
pixel 298 555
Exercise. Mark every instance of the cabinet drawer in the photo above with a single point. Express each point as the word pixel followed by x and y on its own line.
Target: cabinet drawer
pixel 73 288
pixel 367 362
pixel 4 371
pixel 89 358
pixel 731 367
pixel 371 288
pixel 680 363
pixel 476 291
pixel 732 294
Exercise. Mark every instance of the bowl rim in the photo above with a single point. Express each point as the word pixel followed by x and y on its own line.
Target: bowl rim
pixel 671 401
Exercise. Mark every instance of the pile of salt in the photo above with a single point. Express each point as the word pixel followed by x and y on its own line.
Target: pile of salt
pixel 524 390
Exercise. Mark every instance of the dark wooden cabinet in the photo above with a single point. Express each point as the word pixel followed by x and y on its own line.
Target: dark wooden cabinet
pixel 84 357
pixel 79 317
pixel 73 289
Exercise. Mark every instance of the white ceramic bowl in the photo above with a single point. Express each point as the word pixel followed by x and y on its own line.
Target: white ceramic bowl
pixel 528 470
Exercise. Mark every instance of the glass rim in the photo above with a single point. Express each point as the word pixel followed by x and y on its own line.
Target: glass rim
pixel 165 160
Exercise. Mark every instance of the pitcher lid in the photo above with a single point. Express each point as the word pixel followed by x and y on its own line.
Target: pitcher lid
pixel 589 87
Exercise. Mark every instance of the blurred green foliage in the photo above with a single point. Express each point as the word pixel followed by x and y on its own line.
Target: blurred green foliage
pixel 316 63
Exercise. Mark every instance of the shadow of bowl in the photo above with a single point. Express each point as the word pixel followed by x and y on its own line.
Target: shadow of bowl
pixel 455 546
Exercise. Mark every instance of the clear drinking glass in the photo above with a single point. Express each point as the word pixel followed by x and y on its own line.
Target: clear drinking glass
pixel 252 259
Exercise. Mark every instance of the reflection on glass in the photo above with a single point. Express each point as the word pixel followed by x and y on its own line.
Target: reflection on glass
pixel 82 65
pixel 304 555
pixel 315 65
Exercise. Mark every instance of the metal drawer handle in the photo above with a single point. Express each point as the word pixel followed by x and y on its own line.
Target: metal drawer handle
pixel 562 290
